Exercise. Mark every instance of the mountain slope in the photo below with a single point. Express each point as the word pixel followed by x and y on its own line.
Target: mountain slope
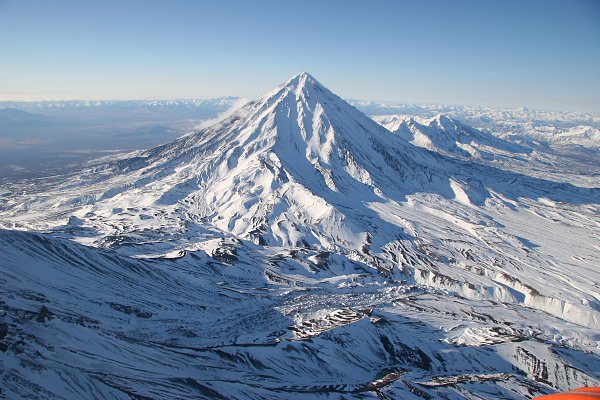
pixel 81 322
pixel 311 213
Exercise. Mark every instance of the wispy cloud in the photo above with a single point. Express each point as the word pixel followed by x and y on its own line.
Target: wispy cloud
pixel 234 107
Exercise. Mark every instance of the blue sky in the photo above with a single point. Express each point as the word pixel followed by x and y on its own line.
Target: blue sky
pixel 543 54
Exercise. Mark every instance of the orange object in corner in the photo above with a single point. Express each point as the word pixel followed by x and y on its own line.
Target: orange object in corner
pixel 586 393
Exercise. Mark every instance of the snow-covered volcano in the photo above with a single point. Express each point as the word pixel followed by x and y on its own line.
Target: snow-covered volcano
pixel 298 167
pixel 336 230
pixel 285 170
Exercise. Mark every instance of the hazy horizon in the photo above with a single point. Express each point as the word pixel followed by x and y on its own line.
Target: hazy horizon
pixel 541 54
pixel 351 100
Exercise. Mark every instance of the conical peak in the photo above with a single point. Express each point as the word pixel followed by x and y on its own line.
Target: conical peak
pixel 305 103
pixel 301 81
pixel 300 85
pixel 304 75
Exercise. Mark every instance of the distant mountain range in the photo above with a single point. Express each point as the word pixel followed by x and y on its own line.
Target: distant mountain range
pixel 122 108
pixel 447 135
pixel 545 127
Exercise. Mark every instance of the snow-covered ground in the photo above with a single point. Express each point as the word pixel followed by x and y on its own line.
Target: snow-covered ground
pixel 297 248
